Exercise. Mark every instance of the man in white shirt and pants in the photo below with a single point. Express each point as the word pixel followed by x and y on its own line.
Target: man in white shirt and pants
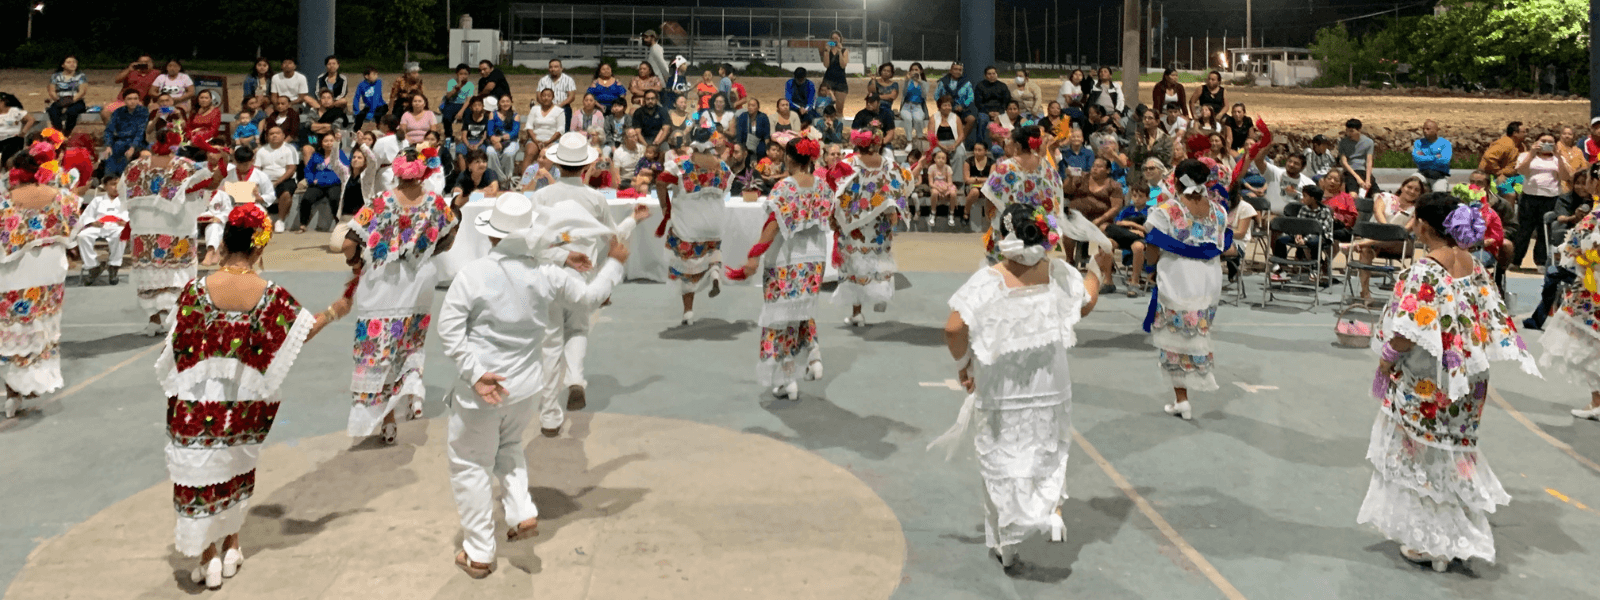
pixel 496 318
pixel 387 148
pixel 103 219
pixel 572 154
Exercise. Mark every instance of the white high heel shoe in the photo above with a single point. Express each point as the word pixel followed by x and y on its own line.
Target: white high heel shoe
pixel 1592 414
pixel 416 409
pixel 1180 410
pixel 231 560
pixel 1440 564
pixel 856 320
pixel 1058 528
pixel 209 574
pixel 12 404
pixel 688 317
pixel 1007 555
pixel 814 370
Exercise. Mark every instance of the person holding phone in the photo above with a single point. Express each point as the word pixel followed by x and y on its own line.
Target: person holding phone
pixel 138 76
pixel 834 57
pixel 1544 173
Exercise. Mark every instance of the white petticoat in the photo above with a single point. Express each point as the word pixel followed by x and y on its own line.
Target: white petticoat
pixel 1573 349
pixel 1022 455
pixel 1429 498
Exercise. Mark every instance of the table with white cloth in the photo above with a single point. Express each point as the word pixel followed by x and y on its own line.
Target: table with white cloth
pixel 648 254
pixel 741 227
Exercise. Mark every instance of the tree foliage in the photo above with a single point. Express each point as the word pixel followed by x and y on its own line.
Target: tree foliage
pixel 1497 44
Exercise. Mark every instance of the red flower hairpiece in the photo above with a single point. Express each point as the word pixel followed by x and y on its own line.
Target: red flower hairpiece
pixel 249 216
pixel 808 148
pixel 862 138
pixel 430 152
pixel 1034 142
pixel 21 177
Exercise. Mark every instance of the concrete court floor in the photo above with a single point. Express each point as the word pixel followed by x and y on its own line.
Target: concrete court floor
pixel 1256 498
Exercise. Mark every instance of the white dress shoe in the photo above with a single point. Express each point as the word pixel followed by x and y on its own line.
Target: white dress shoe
pixel 688 317
pixel 814 370
pixel 1058 528
pixel 1180 410
pixel 1007 555
pixel 231 561
pixel 209 574
pixel 12 404
pixel 1587 413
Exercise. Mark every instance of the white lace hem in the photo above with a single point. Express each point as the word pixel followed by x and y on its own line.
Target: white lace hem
pixel 772 373
pixel 24 339
pixel 365 420
pixel 41 377
pixel 1444 475
pixel 779 312
pixel 200 467
pixel 1171 341
pixel 1441 530
pixel 855 294
pixel 1194 381
pixel 193 535
pixel 1572 349
pixel 1022 456
pixel 251 384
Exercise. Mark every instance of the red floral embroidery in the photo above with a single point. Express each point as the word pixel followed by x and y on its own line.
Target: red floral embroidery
pixel 253 338
pixel 204 501
pixel 214 424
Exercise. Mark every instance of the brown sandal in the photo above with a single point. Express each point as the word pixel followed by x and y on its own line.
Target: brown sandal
pixel 475 570
pixel 523 530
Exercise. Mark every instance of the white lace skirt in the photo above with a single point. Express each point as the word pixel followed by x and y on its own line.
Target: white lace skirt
pixel 866 278
pixel 1428 498
pixel 1022 455
pixel 1573 349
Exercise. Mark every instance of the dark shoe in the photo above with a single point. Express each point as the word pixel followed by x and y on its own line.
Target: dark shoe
pixel 575 398
pixel 114 279
pixel 1529 323
pixel 550 433
pixel 1108 288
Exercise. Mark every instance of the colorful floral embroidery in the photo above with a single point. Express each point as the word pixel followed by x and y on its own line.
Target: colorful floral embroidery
pixel 1008 184
pixel 793 281
pixel 690 250
pixel 1188 323
pixel 381 342
pixel 143 179
pixel 156 251
pixel 692 179
pixel 50 351
pixel 788 342
pixel 18 307
pixel 204 331
pixel 395 233
pixel 872 187
pixel 24 226
pixel 1175 362
pixel 214 424
pixel 798 209
pixel 204 501
pixel 1194 232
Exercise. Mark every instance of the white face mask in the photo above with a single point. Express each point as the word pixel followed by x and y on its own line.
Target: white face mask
pixel 1022 80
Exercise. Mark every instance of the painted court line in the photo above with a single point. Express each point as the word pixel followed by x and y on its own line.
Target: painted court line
pixel 1534 427
pixel 1171 534
pixel 78 387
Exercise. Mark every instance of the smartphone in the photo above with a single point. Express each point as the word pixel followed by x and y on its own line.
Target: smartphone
pixel 832 43
pixel 143 67
pixel 1548 147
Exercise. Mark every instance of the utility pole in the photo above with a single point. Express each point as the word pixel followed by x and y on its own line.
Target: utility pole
pixel 316 33
pixel 1130 51
pixel 1249 13
pixel 1594 60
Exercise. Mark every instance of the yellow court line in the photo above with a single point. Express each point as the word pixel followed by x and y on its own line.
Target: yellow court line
pixel 10 423
pixel 1171 534
pixel 1523 419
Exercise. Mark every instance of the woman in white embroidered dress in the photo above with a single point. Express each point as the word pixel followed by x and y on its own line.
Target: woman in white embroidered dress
pixel 164 195
pixel 1010 328
pixel 1571 337
pixel 233 341
pixel 390 245
pixel 1431 489
pixel 1028 179
pixel 38 221
pixel 1188 288
pixel 871 199
pixel 694 193
pixel 792 254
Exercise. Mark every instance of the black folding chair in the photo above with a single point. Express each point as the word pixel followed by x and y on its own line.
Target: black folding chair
pixel 1312 284
pixel 1385 265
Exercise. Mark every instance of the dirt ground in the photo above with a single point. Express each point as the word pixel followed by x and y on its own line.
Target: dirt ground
pixel 1311 111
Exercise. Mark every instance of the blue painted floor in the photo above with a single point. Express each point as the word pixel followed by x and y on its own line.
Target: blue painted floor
pixel 1264 484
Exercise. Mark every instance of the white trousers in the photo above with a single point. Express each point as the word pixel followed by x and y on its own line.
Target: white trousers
pixel 213 235
pixel 575 347
pixel 484 440
pixel 112 234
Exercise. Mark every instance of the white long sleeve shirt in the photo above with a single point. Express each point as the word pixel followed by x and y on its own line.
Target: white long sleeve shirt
pixel 572 189
pixel 502 310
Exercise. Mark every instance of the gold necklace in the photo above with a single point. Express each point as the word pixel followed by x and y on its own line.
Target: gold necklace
pixel 237 270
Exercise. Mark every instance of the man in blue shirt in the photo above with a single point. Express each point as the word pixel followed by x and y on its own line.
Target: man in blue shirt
pixel 1432 155
pixel 1076 155
pixel 961 96
pixel 125 130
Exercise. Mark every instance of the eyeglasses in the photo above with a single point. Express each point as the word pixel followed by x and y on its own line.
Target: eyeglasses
pixel 1152 168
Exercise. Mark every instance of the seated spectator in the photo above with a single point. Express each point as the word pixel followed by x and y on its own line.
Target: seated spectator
pixel 477 177
pixel 1311 208
pixel 867 117
pixel 125 133
pixel 325 174
pixel 68 86
pixel 800 92
pixel 831 127
pixel 369 104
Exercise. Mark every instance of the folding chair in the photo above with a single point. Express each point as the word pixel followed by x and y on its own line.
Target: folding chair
pixel 1308 228
pixel 1384 265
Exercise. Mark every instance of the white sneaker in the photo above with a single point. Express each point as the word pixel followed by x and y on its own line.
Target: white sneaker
pixel 932 219
pixel 277 227
pixel 1592 414
pixel 1180 410
pixel 950 221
